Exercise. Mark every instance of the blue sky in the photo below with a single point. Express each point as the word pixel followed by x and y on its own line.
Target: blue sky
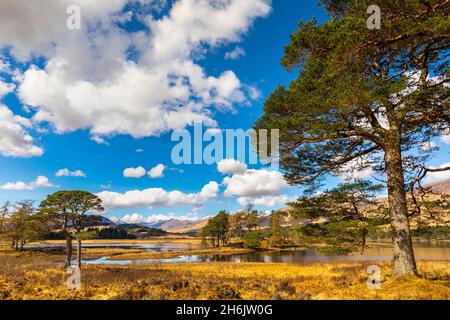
pixel 63 105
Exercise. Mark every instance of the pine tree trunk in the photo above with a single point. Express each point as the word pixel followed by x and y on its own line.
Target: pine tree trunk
pixel 69 250
pixel 404 260
pixel 79 253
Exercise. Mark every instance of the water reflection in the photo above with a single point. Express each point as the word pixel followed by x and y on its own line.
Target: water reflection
pixel 153 247
pixel 433 250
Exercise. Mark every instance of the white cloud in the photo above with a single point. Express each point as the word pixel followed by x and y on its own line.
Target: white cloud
pixel 136 173
pixel 68 173
pixel 139 218
pixel 40 182
pixel 90 83
pixel 213 131
pixel 235 54
pixel 157 172
pixel 157 197
pixel 446 139
pixel 99 140
pixel 357 169
pixel 268 201
pixel 231 166
pixel 255 183
pixel 438 176
pixel 131 218
pixel 14 140
pixel 5 88
pixel 210 190
pixel 33 27
pixel 428 146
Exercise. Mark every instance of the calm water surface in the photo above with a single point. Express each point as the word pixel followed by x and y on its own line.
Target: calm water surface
pixel 152 247
pixel 379 251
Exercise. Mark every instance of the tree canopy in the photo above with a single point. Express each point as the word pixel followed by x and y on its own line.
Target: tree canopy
pixel 365 98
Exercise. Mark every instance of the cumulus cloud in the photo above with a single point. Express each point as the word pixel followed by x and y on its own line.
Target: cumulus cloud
pixel 255 183
pixel 89 81
pixel 139 218
pixel 5 88
pixel 14 139
pixel 157 172
pixel 136 173
pixel 68 173
pixel 231 166
pixel 235 54
pixel 268 201
pixel 158 197
pixel 40 182
pixel 129 218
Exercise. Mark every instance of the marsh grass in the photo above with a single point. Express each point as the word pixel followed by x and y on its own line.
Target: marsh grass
pixel 32 277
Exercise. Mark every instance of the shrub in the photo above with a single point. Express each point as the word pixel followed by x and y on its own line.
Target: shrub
pixel 252 239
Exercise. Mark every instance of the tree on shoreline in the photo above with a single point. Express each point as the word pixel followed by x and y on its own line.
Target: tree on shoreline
pixel 4 214
pixel 276 236
pixel 81 203
pixel 364 98
pixel 66 210
pixel 22 224
pixel 217 230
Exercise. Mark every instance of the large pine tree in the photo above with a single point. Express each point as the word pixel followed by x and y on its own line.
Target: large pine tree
pixel 365 98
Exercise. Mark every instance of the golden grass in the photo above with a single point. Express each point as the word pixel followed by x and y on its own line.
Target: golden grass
pixel 31 277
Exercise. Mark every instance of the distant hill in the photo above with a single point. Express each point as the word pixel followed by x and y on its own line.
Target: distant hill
pixel 440 187
pixel 142 231
pixel 179 226
pixel 97 220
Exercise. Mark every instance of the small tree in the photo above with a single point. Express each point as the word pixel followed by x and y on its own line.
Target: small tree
pixel 4 214
pixel 251 218
pixel 24 225
pixel 56 210
pixel 237 221
pixel 276 237
pixel 67 211
pixel 217 229
pixel 81 203
pixel 344 210
pixel 17 224
pixel 252 239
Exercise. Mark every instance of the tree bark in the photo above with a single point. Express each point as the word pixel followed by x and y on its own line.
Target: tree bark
pixel 404 260
pixel 69 250
pixel 79 253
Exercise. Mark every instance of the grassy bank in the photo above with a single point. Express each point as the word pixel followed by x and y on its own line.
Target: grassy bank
pixel 31 278
pixel 33 274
